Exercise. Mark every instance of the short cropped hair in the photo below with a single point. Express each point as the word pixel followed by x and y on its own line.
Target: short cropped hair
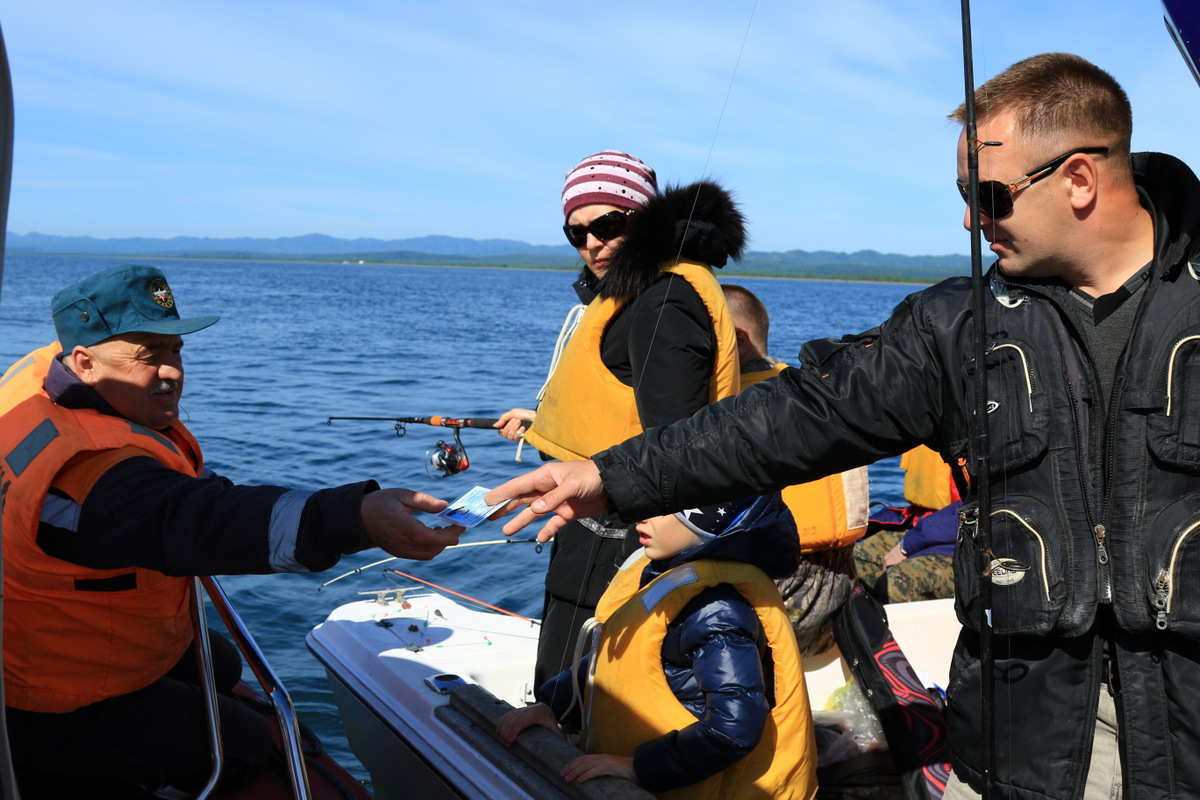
pixel 1059 97
pixel 747 309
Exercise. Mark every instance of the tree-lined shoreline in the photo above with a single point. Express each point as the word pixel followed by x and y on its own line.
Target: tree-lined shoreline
pixel 866 265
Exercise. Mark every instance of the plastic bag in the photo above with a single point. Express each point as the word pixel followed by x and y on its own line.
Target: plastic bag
pixel 852 761
pixel 848 718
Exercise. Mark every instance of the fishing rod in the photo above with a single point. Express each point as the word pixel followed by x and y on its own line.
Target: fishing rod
pixel 981 447
pixel 358 570
pixel 443 459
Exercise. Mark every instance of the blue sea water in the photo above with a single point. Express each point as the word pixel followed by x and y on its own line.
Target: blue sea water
pixel 300 342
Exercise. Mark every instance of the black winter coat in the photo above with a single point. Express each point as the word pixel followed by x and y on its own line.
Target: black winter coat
pixel 662 340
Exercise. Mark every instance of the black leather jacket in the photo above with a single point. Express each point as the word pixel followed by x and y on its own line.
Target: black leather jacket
pixel 1095 506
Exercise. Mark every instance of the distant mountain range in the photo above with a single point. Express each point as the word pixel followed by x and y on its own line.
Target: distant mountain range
pixel 308 245
pixel 863 265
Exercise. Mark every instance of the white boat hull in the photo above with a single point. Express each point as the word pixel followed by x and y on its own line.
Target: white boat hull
pixel 378 656
pixel 381 658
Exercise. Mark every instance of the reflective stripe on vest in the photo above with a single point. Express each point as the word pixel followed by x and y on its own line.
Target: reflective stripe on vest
pixel 21 456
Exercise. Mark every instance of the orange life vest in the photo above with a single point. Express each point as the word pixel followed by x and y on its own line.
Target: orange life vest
pixel 587 409
pixel 832 511
pixel 73 635
pixel 629 701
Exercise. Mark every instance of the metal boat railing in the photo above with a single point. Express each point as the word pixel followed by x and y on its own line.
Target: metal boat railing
pixel 285 713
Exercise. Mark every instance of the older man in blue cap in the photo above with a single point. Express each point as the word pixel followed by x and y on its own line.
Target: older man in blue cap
pixel 107 506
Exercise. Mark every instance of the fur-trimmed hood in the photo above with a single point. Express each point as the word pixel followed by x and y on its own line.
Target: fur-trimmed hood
pixel 700 222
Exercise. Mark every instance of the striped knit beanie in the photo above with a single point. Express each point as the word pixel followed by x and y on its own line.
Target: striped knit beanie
pixel 609 177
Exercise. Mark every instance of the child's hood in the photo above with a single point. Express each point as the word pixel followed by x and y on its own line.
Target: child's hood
pixel 758 530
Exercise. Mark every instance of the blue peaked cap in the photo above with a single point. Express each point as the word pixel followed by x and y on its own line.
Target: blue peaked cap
pixel 126 299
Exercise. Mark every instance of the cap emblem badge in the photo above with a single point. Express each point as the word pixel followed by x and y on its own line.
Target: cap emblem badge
pixel 162 293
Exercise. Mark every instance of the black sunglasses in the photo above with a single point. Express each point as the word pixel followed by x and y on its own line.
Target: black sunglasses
pixel 604 227
pixel 996 198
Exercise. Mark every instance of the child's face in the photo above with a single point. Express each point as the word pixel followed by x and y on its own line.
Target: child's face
pixel 665 536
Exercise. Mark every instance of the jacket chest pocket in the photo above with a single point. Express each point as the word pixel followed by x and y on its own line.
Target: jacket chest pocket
pixel 1017 406
pixel 1173 430
pixel 1026 562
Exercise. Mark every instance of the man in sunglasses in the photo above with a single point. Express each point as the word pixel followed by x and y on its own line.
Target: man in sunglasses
pixel 1092 331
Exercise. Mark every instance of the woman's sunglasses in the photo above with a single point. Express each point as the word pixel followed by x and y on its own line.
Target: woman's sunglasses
pixel 996 198
pixel 604 227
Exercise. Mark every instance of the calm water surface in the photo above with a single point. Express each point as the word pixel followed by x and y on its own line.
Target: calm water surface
pixel 300 342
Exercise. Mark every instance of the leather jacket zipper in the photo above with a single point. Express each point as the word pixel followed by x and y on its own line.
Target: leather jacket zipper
pixel 1171 366
pixel 1099 532
pixel 1164 590
pixel 1029 382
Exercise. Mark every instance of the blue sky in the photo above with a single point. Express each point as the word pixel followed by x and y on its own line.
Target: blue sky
pixel 396 119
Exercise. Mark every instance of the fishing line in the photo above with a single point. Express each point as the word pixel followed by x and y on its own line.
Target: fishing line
pixel 986 485
pixel 696 199
pixel 460 594
pixel 638 376
pixel 570 323
pixel 728 92
pixel 985 537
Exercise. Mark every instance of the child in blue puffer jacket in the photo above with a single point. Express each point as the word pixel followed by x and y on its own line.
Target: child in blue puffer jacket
pixel 693 682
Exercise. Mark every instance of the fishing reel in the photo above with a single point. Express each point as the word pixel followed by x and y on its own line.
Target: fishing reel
pixel 443 460
pixel 446 460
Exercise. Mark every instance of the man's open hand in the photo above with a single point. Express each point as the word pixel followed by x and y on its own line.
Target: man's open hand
pixel 569 490
pixel 387 518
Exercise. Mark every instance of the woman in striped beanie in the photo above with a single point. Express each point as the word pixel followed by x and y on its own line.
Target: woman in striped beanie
pixel 600 195
pixel 654 345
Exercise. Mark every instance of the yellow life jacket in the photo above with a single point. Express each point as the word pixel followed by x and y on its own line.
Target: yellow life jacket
pixel 73 635
pixel 586 409
pixel 927 480
pixel 629 701
pixel 832 511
